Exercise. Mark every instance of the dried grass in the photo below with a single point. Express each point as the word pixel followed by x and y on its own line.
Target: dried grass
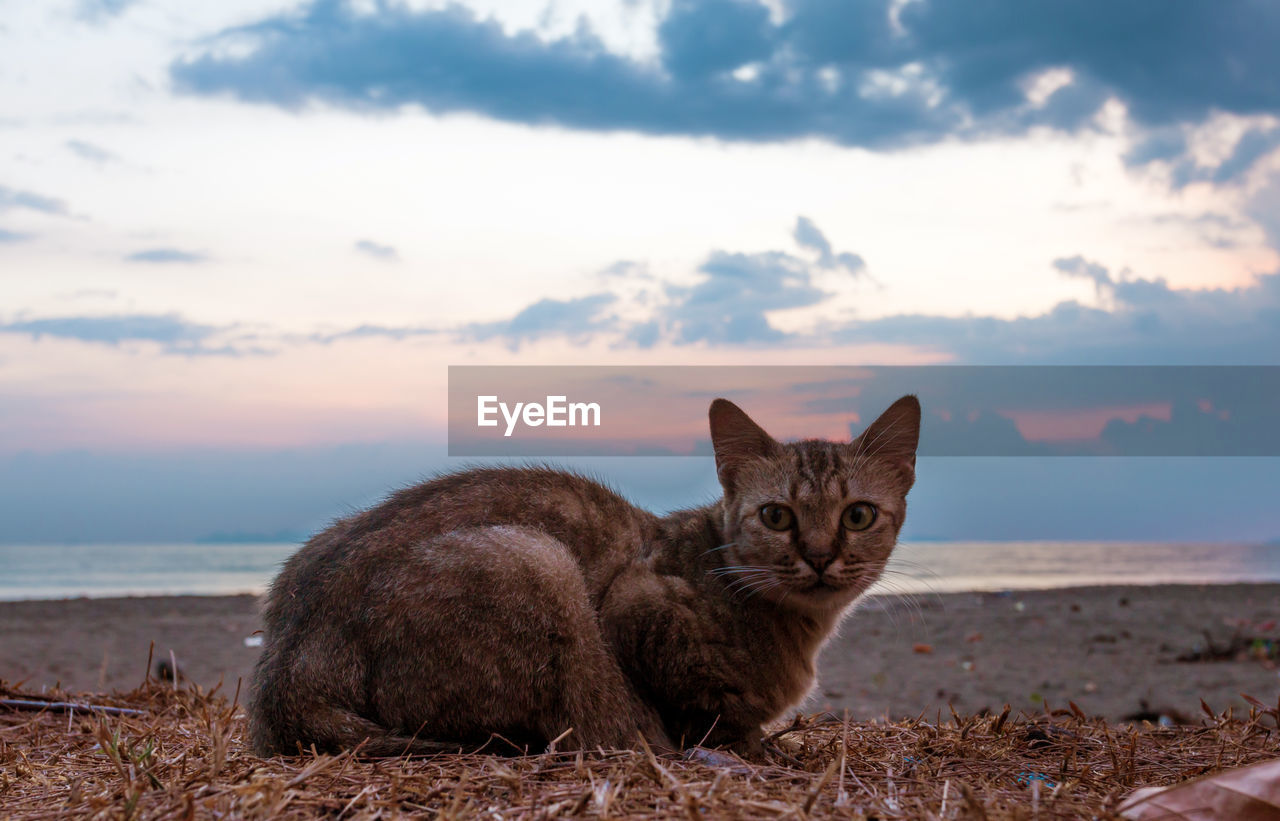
pixel 186 757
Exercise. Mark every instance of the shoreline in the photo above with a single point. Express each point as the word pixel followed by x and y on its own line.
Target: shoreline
pixel 872 594
pixel 1107 648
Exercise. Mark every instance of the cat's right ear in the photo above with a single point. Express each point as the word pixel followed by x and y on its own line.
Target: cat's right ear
pixel 893 437
pixel 736 440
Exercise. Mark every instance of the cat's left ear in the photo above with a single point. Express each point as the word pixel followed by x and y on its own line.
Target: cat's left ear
pixel 894 437
pixel 736 440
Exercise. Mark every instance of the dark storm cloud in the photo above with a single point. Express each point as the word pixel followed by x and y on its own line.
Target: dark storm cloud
pixel 842 71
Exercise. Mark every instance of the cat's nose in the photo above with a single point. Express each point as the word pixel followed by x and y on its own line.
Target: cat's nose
pixel 819 560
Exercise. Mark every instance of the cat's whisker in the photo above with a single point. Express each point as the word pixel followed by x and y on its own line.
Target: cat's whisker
pixel 758 586
pixel 738 569
pixel 921 576
pixel 747 579
pixel 902 599
pixel 755 585
pixel 744 583
pixel 721 547
pixel 763 588
pixel 740 580
pixel 932 592
pixel 744 580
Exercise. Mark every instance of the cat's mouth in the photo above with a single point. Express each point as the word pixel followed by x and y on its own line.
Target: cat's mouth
pixel 821 585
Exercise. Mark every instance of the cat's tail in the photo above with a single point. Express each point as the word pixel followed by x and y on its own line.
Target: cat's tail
pixel 287 717
pixel 332 729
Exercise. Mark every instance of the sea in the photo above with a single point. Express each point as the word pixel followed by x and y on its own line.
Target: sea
pixel 103 570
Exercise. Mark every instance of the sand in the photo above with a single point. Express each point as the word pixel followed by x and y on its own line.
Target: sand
pixel 1108 649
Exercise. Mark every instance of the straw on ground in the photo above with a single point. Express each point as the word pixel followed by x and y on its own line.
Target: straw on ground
pixel 185 756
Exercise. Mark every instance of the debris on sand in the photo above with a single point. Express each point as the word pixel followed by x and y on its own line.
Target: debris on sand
pixel 185 755
pixel 1240 647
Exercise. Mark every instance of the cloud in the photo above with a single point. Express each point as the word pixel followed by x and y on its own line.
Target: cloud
pixel 702 38
pixel 1264 208
pixel 91 152
pixel 167 255
pixel 548 317
pixel 11 199
pixel 1081 268
pixel 91 293
pixel 1025 410
pixel 1139 320
pixel 1148 323
pixel 879 73
pixel 377 251
pixel 626 269
pixel 1199 429
pixel 97 11
pixel 173 333
pixel 1251 147
pixel 374 331
pixel 730 304
pixel 1170 146
pixel 808 236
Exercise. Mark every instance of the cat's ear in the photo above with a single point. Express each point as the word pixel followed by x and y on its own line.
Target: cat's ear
pixel 893 437
pixel 736 440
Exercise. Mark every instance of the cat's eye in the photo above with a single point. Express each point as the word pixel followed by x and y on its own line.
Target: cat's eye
pixel 777 517
pixel 858 516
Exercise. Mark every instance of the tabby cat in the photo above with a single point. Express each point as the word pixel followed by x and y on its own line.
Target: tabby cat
pixel 530 604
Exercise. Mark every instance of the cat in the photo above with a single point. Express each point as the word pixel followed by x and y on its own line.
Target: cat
pixel 534 606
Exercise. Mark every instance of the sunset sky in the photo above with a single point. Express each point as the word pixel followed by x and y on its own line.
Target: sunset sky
pixel 240 243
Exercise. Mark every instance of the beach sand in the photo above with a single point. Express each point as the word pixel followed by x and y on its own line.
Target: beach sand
pixel 1108 649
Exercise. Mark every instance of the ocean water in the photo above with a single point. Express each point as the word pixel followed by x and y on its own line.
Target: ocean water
pixel 98 570
pixel 954 566
pixel 63 571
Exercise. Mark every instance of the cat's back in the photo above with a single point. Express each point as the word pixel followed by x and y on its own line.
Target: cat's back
pixel 601 529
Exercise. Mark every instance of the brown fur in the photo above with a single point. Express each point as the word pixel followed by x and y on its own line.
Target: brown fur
pixel 527 601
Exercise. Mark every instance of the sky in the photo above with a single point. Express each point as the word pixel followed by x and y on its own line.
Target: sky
pixel 241 243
